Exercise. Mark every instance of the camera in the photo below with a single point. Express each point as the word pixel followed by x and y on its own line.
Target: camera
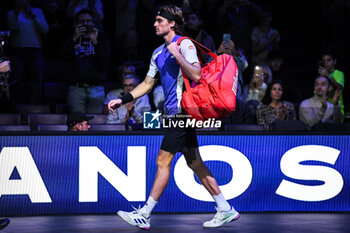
pixel 89 28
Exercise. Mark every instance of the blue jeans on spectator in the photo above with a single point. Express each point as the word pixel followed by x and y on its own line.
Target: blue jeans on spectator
pixel 86 99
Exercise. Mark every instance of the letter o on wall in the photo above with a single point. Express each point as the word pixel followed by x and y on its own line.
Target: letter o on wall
pixel 241 170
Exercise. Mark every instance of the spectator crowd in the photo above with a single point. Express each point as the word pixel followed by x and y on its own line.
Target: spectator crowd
pixel 93 51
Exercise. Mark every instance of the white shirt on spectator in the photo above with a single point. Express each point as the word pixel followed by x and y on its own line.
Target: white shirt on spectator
pixel 118 116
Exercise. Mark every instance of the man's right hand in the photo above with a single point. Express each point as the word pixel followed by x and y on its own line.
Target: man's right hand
pixel 5 66
pixel 336 96
pixel 78 31
pixel 113 104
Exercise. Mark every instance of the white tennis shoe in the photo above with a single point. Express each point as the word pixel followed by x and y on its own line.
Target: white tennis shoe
pixel 222 217
pixel 136 218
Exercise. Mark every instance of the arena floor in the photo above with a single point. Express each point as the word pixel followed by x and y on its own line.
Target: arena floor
pixel 183 223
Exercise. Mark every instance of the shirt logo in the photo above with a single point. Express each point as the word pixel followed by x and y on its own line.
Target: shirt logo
pixel 190 47
pixel 151 120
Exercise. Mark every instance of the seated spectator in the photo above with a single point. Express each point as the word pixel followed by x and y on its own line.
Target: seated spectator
pixel 317 109
pixel 131 112
pixel 194 30
pixel 88 52
pixel 78 122
pixel 256 89
pixel 123 71
pixel 238 54
pixel 273 107
pixel 336 77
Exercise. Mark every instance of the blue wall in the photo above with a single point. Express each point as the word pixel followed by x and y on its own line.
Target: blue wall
pixel 57 161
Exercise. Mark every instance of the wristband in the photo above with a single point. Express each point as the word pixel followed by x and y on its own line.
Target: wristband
pixel 127 98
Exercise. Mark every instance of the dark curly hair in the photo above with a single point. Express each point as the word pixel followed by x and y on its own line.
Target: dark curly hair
pixel 267 97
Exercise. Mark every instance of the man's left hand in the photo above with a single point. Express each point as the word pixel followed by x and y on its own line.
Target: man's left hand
pixel 5 66
pixel 322 71
pixel 336 96
pixel 93 35
pixel 173 48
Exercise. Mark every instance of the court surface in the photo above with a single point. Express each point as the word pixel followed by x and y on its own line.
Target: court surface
pixel 185 223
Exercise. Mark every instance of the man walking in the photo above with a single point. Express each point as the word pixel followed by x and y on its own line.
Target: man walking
pixel 168 59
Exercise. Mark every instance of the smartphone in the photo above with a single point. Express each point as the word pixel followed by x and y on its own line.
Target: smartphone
pixel 226 37
pixel 320 63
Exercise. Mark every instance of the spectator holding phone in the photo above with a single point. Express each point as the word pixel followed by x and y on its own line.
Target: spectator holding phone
pixel 336 77
pixel 256 88
pixel 88 52
pixel 227 46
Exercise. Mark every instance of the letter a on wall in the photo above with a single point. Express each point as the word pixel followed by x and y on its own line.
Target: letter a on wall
pixel 30 183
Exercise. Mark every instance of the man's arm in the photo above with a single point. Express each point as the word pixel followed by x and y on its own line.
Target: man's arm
pixel 192 71
pixel 143 88
pixel 306 114
pixel 334 83
pixel 140 90
pixel 40 21
pixel 337 114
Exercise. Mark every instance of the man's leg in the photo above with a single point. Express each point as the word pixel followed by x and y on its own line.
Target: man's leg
pixel 163 173
pixel 141 217
pixel 202 171
pixel 226 213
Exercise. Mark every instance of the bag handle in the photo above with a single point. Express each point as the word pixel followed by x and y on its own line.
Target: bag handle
pixel 201 47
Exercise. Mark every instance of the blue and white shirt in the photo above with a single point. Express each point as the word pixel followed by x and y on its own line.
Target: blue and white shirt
pixel 170 72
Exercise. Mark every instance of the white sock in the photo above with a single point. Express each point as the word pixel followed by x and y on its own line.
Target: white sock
pixel 148 207
pixel 221 203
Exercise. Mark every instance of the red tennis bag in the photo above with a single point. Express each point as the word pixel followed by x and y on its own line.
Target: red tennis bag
pixel 214 95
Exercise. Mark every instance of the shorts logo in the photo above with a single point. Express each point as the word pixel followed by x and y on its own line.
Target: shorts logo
pixel 151 120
